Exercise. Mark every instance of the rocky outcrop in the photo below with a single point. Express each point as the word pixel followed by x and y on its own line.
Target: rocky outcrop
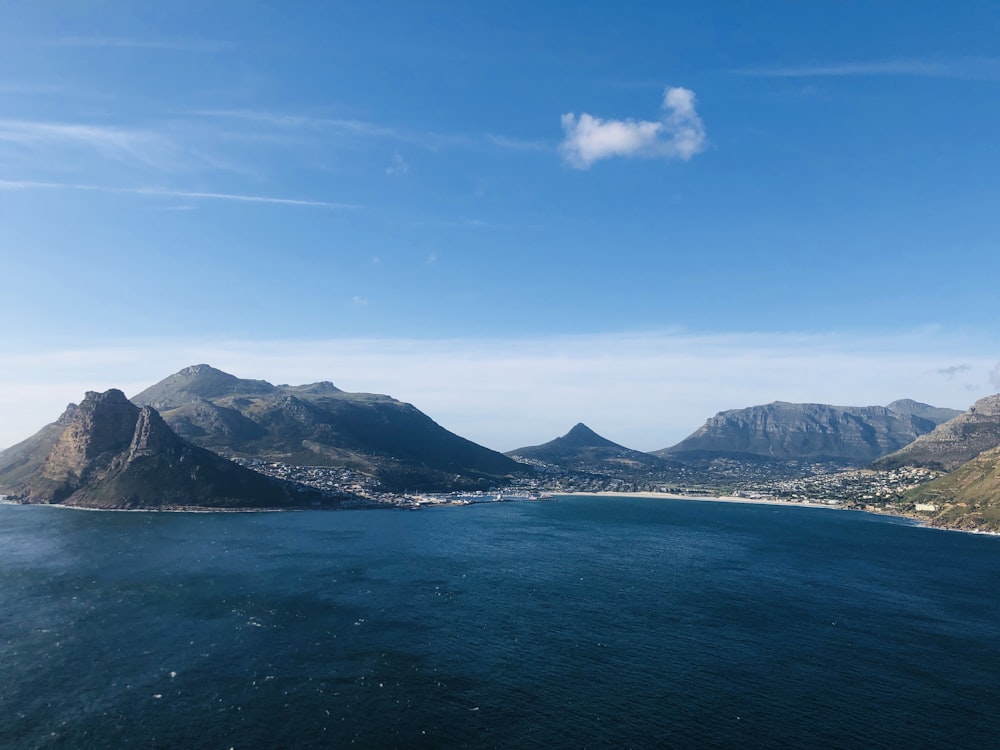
pixel 109 453
pixel 953 443
pixel 966 498
pixel 784 431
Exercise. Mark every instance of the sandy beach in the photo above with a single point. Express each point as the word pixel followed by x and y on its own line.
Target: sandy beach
pixel 699 498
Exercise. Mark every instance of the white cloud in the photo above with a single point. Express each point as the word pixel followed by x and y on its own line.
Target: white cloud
pixel 678 134
pixel 995 377
pixel 644 390
pixel 397 166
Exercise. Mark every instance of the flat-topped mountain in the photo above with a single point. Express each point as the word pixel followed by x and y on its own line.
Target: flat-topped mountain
pixel 953 443
pixel 109 453
pixel 320 425
pixel 784 431
pixel 966 498
pixel 582 449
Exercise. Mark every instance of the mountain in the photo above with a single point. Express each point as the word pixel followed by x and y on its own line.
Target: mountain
pixel 109 453
pixel 966 498
pixel 820 432
pixel 953 443
pixel 582 449
pixel 320 425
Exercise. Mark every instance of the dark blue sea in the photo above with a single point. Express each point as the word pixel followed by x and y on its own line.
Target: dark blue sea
pixel 580 622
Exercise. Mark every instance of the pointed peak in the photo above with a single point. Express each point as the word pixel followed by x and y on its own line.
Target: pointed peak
pixel 581 430
pixel 151 434
pixel 582 435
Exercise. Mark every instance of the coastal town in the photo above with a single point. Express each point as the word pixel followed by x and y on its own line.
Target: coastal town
pixel 817 483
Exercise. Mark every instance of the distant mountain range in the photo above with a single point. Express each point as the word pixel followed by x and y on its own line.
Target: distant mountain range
pixel 320 425
pixel 786 431
pixel 162 449
pixel 109 453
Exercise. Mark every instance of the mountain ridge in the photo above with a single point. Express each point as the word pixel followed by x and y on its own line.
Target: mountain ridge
pixel 783 430
pixel 954 442
pixel 320 425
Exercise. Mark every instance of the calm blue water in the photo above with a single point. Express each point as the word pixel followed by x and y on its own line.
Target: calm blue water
pixel 585 622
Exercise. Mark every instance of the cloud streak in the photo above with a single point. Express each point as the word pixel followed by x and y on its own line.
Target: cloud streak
pixel 121 144
pixel 429 140
pixel 107 42
pixel 163 192
pixel 971 68
pixel 678 134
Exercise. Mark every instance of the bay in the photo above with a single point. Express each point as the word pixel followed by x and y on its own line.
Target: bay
pixel 582 622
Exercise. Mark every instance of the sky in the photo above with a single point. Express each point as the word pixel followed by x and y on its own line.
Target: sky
pixel 515 215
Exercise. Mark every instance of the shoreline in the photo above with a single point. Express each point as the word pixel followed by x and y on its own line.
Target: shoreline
pixel 703 498
pixel 914 520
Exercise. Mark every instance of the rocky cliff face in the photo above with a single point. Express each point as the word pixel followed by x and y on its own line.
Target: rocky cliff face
pixel 96 431
pixel 782 431
pixel 953 443
pixel 108 453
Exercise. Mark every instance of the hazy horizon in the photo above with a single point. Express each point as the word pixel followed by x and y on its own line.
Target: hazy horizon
pixel 514 217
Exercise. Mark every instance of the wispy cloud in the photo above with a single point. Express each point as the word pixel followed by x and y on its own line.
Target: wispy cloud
pixel 995 377
pixel 164 192
pixel 517 144
pixel 678 134
pixel 427 139
pixel 361 128
pixel 398 166
pixel 110 42
pixel 645 390
pixel 113 142
pixel 953 370
pixel 972 68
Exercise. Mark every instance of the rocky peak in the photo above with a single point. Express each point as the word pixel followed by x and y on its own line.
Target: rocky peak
pixel 151 435
pixel 198 382
pixel 986 407
pixel 103 423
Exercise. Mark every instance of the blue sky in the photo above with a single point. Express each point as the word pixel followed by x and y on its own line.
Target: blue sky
pixel 516 215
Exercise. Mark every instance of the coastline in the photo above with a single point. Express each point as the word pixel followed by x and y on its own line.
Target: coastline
pixel 914 520
pixel 702 498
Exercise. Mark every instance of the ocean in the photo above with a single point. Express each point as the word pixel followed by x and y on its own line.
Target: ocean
pixel 573 623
